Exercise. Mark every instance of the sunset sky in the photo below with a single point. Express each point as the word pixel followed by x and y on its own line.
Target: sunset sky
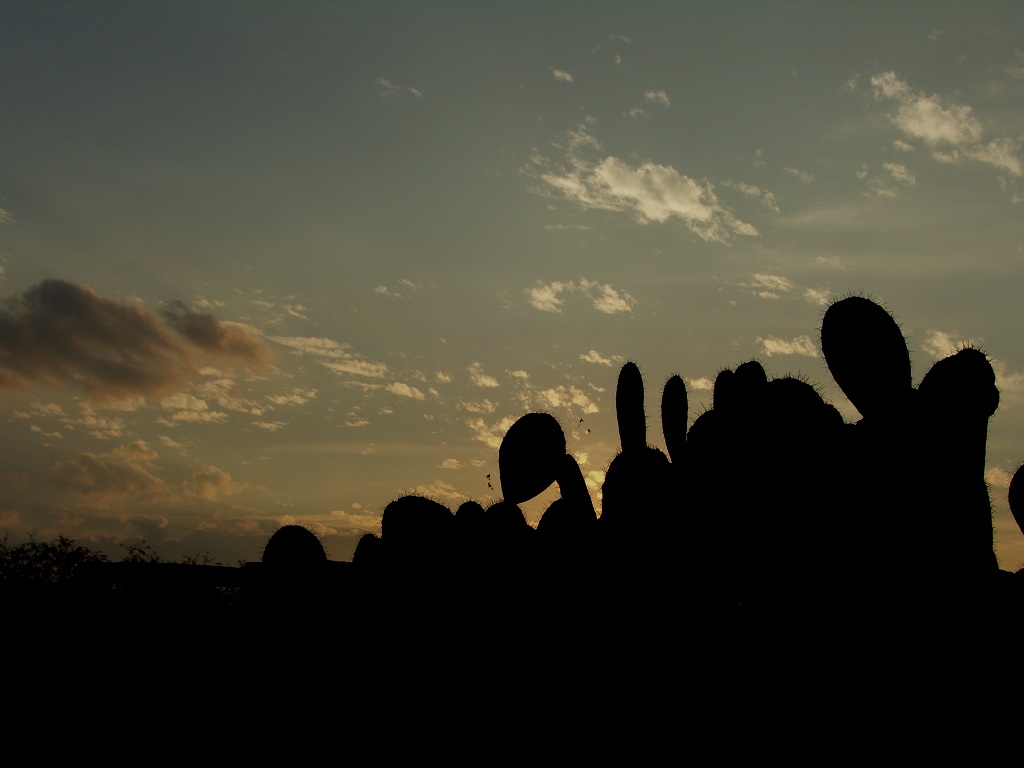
pixel 283 262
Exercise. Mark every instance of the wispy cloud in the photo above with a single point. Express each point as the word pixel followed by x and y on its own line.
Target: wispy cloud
pixel 947 128
pixel 593 356
pixel 772 287
pixel 400 289
pixel 479 378
pixel 766 198
pixel 390 89
pixel 404 390
pixel 65 334
pixel 657 97
pixel 801 345
pixel 549 297
pixel 561 75
pixel 649 191
pixel 333 355
pixel 803 176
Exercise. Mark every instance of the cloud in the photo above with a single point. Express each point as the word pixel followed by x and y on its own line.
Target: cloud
pixel 549 297
pixel 940 344
pixel 801 345
pixel 606 299
pixel 562 75
pixel 925 117
pixel 649 191
pixel 404 390
pixel 658 97
pixel 333 355
pixel 1016 68
pixel 766 198
pixel 769 286
pixel 389 89
pixel 479 378
pixel 803 176
pixel 230 340
pixel 947 128
pixel 64 334
pixel 593 356
pixel 492 434
pixel 572 398
pixel 401 289
pixel 298 396
pixel 896 175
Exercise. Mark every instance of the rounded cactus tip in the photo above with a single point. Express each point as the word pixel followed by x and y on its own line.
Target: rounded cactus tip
pixel 530 456
pixel 866 353
pixel 293 546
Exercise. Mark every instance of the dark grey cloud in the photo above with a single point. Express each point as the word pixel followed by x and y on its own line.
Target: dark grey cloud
pixel 64 334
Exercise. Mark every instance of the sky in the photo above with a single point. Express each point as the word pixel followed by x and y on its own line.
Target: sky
pixel 265 263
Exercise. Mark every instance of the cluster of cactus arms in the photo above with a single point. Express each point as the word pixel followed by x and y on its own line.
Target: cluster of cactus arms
pixel 769 499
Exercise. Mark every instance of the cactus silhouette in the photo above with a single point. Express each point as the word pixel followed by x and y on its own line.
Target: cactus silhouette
pixel 915 460
pixel 638 526
pixel 293 548
pixel 674 416
pixel 417 533
pixel 866 354
pixel 291 582
pixel 530 456
pixel 1015 497
pixel 637 481
pixel 956 398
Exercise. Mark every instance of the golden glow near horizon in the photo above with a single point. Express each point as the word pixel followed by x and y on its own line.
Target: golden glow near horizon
pixel 289 267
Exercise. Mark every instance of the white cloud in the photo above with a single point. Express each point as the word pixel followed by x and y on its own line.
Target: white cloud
pixel 940 344
pixel 606 299
pixel 481 406
pixel 404 390
pixel 490 435
pixel 819 296
pixel 801 345
pixel 803 176
pixel 562 76
pixel 651 192
pixel 925 117
pixel 572 398
pixel 658 97
pixel 1004 153
pixel 549 297
pixel 593 356
pixel 772 283
pixel 479 378
pixel 948 129
pixel 269 426
pixel 389 89
pixel 900 173
pixel 297 397
pixel 358 367
pixel 766 198
pixel 335 356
